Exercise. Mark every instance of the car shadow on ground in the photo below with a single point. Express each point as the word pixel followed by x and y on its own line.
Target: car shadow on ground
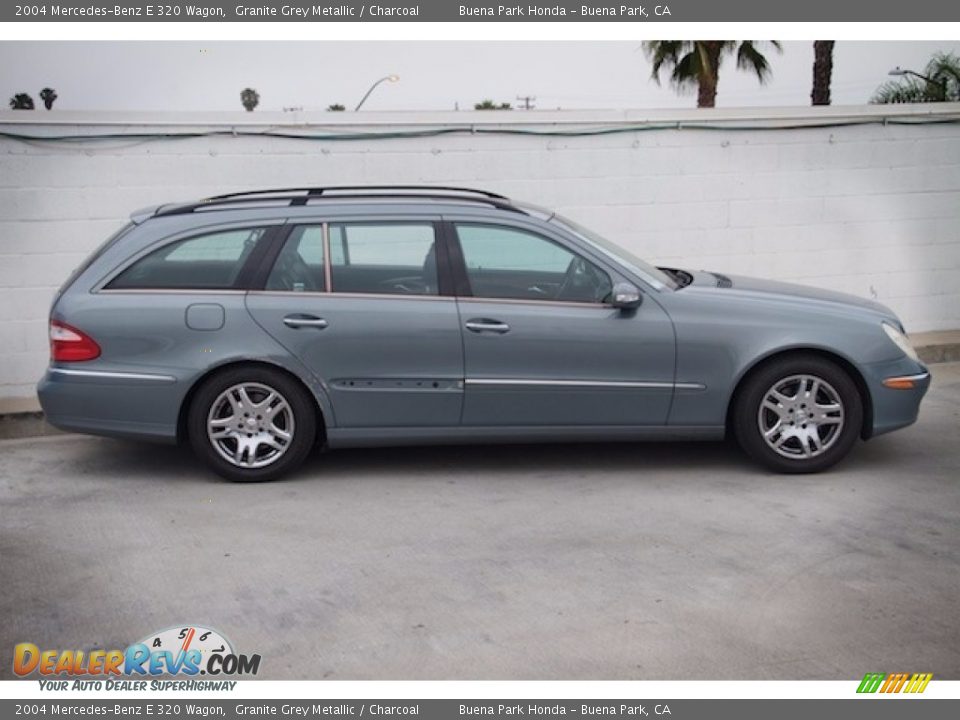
pixel 108 457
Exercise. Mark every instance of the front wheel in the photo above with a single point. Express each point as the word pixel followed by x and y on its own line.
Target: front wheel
pixel 798 414
pixel 251 424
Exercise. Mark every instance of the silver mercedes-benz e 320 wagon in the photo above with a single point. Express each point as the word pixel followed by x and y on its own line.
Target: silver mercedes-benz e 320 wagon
pixel 257 325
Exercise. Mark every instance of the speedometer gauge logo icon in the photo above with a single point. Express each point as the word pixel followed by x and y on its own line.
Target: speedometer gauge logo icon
pixel 179 640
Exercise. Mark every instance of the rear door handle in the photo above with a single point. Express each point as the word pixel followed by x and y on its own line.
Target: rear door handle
pixel 299 321
pixel 479 325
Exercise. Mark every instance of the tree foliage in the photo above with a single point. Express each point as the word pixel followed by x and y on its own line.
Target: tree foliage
pixel 491 105
pixel 48 96
pixel 21 101
pixel 943 69
pixel 250 98
pixel 696 63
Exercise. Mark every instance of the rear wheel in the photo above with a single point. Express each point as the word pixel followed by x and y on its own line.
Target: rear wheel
pixel 798 414
pixel 252 424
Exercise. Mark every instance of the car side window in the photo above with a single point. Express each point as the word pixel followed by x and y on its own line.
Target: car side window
pixel 384 258
pixel 509 263
pixel 205 262
pixel 299 266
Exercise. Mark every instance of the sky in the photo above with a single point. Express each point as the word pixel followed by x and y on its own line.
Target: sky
pixel 198 76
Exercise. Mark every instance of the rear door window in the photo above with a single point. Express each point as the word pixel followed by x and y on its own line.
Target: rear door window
pixel 384 258
pixel 388 258
pixel 299 266
pixel 204 262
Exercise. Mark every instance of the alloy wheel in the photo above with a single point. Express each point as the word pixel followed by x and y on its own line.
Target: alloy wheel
pixel 801 416
pixel 250 425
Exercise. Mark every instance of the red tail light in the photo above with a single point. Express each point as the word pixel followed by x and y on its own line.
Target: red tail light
pixel 68 344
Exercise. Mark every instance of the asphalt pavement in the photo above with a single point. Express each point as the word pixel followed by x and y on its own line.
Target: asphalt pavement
pixel 644 561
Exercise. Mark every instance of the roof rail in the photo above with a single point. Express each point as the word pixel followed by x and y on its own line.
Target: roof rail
pixel 301 196
pixel 319 191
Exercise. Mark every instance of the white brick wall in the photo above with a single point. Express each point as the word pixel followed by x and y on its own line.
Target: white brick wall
pixel 870 209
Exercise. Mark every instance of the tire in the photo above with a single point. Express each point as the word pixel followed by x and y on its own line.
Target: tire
pixel 252 424
pixel 794 430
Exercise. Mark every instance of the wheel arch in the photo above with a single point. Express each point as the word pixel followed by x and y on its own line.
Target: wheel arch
pixel 184 412
pixel 849 367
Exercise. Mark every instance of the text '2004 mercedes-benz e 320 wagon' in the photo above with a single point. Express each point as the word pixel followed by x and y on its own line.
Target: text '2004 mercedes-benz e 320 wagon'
pixel 257 325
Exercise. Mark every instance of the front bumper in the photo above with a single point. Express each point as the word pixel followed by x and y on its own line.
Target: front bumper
pixel 894 408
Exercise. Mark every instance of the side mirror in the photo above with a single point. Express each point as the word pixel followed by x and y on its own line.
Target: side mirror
pixel 625 296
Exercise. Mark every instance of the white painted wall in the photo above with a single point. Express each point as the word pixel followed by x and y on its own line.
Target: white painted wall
pixel 870 209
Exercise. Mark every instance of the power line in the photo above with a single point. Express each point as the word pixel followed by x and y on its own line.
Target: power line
pixel 527 101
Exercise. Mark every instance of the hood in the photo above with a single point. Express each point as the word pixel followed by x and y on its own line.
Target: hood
pixel 774 289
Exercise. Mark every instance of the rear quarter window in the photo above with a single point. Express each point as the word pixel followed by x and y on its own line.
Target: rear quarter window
pixel 205 262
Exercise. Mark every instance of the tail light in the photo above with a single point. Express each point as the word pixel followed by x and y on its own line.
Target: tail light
pixel 68 344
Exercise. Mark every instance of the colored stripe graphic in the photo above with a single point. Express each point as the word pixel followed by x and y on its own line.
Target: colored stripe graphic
pixel 871 682
pixel 918 683
pixel 890 683
pixel 894 682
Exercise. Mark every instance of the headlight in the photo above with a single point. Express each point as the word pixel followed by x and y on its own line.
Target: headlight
pixel 901 341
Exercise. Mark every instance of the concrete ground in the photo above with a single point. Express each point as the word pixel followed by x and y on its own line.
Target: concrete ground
pixel 664 561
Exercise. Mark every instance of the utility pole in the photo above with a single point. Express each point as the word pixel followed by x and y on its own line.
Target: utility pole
pixel 526 101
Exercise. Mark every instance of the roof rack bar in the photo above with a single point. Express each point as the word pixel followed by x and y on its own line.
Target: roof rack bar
pixel 299 200
pixel 318 191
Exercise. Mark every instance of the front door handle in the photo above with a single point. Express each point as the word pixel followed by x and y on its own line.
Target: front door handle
pixel 299 321
pixel 478 325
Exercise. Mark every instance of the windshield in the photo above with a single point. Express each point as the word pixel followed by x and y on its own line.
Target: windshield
pixel 641 267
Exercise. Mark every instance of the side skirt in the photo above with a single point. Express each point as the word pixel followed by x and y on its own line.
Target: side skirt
pixel 392 436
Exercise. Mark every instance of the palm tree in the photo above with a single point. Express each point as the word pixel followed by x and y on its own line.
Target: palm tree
pixel 21 101
pixel 49 96
pixel 491 105
pixel 697 62
pixel 941 84
pixel 250 98
pixel 822 71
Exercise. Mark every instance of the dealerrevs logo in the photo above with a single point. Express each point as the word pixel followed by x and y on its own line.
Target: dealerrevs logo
pixel 189 651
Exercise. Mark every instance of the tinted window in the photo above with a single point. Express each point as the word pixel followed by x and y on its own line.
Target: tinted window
pixel 210 261
pixel 299 267
pixel 387 258
pixel 506 262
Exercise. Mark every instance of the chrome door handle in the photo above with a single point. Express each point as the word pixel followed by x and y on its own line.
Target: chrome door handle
pixel 298 321
pixel 480 325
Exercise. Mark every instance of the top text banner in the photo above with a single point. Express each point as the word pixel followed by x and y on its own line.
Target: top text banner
pixel 474 11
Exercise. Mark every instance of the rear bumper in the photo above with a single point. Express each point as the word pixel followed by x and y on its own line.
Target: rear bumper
pixel 136 405
pixel 894 408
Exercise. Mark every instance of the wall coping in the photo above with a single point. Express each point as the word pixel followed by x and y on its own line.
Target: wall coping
pixel 770 117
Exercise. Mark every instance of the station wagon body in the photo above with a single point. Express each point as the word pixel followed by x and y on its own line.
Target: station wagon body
pixel 260 324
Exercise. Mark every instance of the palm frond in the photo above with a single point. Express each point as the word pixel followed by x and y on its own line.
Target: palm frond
pixel 945 69
pixel 686 73
pixel 908 90
pixel 750 58
pixel 664 53
pixel 697 62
